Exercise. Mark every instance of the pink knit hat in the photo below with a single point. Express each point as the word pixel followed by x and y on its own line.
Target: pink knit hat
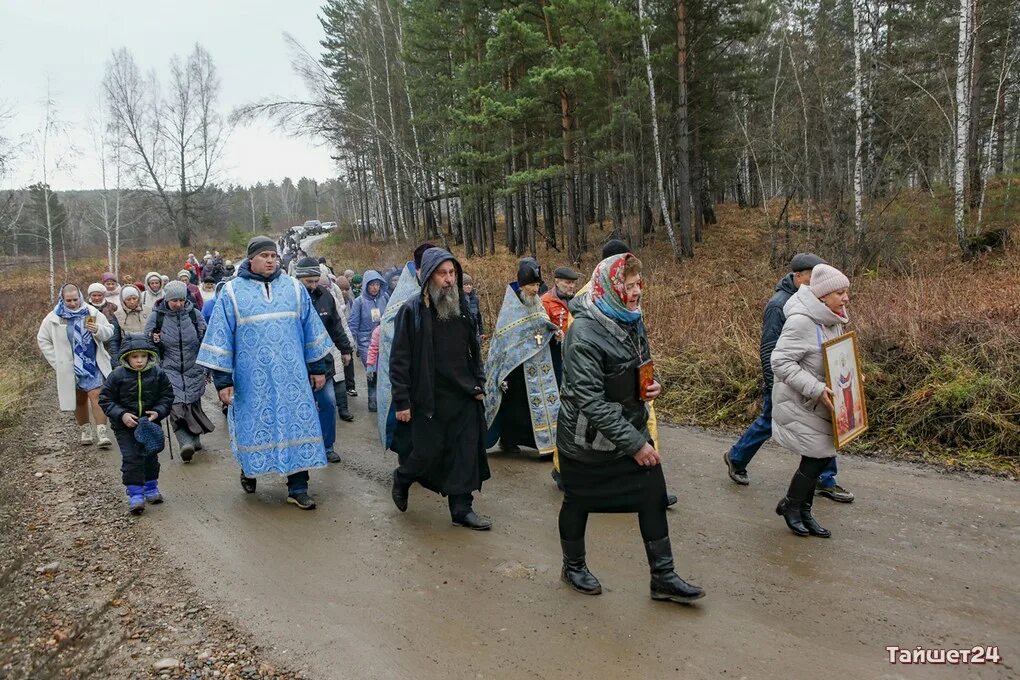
pixel 826 279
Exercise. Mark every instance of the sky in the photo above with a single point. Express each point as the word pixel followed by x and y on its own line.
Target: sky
pixel 67 44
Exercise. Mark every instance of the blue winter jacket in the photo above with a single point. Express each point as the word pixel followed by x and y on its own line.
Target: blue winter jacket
pixel 361 319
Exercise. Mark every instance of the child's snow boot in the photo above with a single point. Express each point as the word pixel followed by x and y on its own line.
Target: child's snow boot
pixel 152 494
pixel 136 499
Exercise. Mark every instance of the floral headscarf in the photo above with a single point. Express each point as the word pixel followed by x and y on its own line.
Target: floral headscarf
pixel 608 289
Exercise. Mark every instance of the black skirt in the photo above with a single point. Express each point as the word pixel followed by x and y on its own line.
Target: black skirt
pixel 620 485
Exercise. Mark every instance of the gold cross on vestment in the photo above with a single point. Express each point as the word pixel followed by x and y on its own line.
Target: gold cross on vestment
pixel 538 339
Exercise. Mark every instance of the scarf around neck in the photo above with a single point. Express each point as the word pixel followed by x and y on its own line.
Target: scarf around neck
pixel 83 344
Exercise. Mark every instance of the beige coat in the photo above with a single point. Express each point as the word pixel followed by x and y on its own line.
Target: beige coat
pixel 131 321
pixel 56 348
pixel 800 422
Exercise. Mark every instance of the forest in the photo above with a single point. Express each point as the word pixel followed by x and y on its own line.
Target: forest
pixel 526 124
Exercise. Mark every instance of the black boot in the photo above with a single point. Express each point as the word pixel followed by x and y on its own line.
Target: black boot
pixel 399 492
pixel 575 570
pixel 801 488
pixel 812 525
pixel 248 483
pixel 463 515
pixel 666 585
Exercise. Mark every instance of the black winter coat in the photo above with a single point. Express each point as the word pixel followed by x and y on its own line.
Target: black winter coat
pixel 601 417
pixel 412 361
pixel 772 326
pixel 325 305
pixel 129 391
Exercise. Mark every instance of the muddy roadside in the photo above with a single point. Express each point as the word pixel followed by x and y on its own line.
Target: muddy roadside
pixel 86 591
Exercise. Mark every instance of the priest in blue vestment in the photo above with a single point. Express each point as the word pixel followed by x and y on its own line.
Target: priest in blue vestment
pixel 267 349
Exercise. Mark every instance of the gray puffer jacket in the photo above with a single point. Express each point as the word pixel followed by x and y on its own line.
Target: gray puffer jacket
pixel 601 417
pixel 181 335
pixel 800 422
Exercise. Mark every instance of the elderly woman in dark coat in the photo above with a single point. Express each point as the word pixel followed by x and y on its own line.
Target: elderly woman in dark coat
pixel 608 461
pixel 177 328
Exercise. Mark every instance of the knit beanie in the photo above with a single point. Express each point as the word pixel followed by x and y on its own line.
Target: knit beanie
pixel 826 279
pixel 306 268
pixel 468 281
pixel 176 290
pixel 259 244
pixel 129 292
pixel 97 288
pixel 184 272
pixel 108 276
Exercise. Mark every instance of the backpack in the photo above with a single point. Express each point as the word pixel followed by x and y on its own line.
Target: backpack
pixel 193 314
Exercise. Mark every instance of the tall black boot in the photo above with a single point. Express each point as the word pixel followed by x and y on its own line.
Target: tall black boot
pixel 575 570
pixel 812 525
pixel 666 585
pixel 801 488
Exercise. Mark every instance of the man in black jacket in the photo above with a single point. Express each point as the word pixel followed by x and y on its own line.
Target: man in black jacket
pixel 760 431
pixel 307 272
pixel 437 378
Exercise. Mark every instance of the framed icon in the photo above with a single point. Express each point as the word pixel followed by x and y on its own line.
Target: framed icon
pixel 843 376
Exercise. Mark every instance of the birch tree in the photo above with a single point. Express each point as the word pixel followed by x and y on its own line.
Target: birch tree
pixel 655 133
pixel 963 110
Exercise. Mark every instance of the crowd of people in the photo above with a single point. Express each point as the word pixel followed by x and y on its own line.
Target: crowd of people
pixel 567 374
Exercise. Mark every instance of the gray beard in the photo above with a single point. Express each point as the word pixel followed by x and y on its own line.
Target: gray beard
pixel 446 301
pixel 529 301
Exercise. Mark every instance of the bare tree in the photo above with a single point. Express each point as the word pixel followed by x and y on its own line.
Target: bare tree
pixel 177 139
pixel 108 142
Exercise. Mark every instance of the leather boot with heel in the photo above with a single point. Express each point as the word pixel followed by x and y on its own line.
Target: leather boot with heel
pixel 801 488
pixel 575 570
pixel 811 523
pixel 665 584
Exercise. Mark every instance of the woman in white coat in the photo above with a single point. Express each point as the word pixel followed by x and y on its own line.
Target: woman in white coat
pixel 801 401
pixel 71 338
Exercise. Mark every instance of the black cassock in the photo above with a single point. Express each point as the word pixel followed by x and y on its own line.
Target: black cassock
pixel 446 453
pixel 514 416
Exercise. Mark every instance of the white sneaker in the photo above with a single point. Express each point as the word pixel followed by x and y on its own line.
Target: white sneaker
pixel 104 440
pixel 86 435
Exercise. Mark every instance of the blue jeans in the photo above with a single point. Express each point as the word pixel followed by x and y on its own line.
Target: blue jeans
pixel 325 401
pixel 759 432
pixel 297 483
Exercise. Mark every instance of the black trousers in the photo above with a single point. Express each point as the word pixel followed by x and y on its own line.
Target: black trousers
pixel 812 467
pixel 136 466
pixel 349 375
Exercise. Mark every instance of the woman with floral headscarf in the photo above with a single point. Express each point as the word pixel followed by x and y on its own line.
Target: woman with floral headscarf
pixel 71 338
pixel 608 460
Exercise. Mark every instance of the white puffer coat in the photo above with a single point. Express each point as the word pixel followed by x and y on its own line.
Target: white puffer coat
pixel 800 422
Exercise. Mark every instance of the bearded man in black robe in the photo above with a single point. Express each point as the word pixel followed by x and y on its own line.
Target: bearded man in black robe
pixel 438 387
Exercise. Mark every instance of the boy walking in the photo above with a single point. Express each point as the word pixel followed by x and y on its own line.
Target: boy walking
pixel 138 394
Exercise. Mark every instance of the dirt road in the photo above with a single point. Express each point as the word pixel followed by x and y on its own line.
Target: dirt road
pixel 355 589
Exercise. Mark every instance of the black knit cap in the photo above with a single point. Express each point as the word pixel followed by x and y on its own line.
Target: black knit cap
pixel 260 244
pixel 614 246
pixel 528 271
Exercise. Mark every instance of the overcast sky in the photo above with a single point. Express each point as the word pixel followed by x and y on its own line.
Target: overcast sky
pixel 69 42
